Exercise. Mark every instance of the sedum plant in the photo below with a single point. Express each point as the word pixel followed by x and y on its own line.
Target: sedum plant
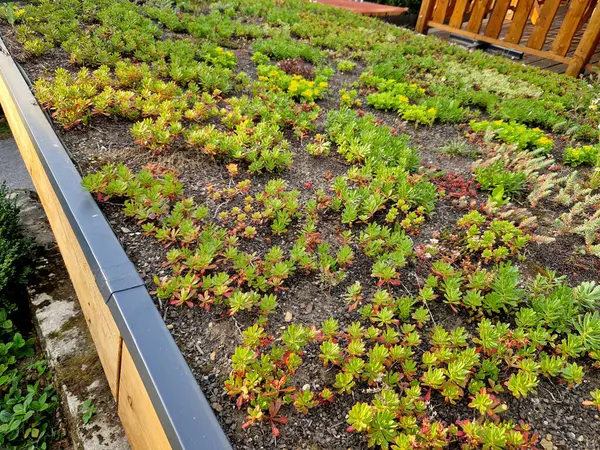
pixel 513 133
pixel 576 156
pixel 173 72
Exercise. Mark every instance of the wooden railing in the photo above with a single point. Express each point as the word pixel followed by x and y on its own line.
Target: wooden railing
pixel 466 18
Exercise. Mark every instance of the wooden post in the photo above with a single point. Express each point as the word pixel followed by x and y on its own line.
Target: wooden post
pixel 586 15
pixel 494 25
pixel 439 14
pixel 451 6
pixel 587 45
pixel 478 12
pixel 519 21
pixel 458 12
pixel 564 38
pixel 543 24
pixel 425 14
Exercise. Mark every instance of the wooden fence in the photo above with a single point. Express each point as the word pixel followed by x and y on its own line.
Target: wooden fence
pixel 484 20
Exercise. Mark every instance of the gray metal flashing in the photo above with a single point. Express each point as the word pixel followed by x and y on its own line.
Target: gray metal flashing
pixel 111 267
pixel 186 416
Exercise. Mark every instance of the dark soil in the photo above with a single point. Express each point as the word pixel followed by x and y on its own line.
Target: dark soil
pixel 207 339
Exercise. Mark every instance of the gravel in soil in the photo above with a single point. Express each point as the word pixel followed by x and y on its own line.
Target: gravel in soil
pixel 207 339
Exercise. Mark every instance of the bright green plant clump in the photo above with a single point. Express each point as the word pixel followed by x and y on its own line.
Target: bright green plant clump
pixel 296 86
pixel 494 240
pixel 287 48
pixel 348 98
pixel 586 154
pixel 397 96
pixel 361 140
pixel 495 175
pixel 515 134
pixel 346 66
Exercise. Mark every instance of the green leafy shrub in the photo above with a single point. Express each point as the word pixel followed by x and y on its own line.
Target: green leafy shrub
pixel 27 400
pixel 388 101
pixel 16 250
pixel 260 59
pixel 359 139
pixel 262 146
pixel 447 109
pixel 410 90
pixel 530 111
pixel 37 47
pixel 420 114
pixel 495 240
pixel 349 98
pixel 396 96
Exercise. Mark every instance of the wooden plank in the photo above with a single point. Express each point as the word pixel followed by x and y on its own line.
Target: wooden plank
pixel 501 43
pixel 478 12
pixel 532 59
pixel 542 26
pixel 496 21
pixel 520 19
pixel 456 19
pixel 587 14
pixel 548 63
pixel 424 16
pixel 527 32
pixel 140 421
pixel 556 67
pixel 441 8
pixel 103 329
pixel 574 43
pixel 587 46
pixel 451 5
pixel 562 43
